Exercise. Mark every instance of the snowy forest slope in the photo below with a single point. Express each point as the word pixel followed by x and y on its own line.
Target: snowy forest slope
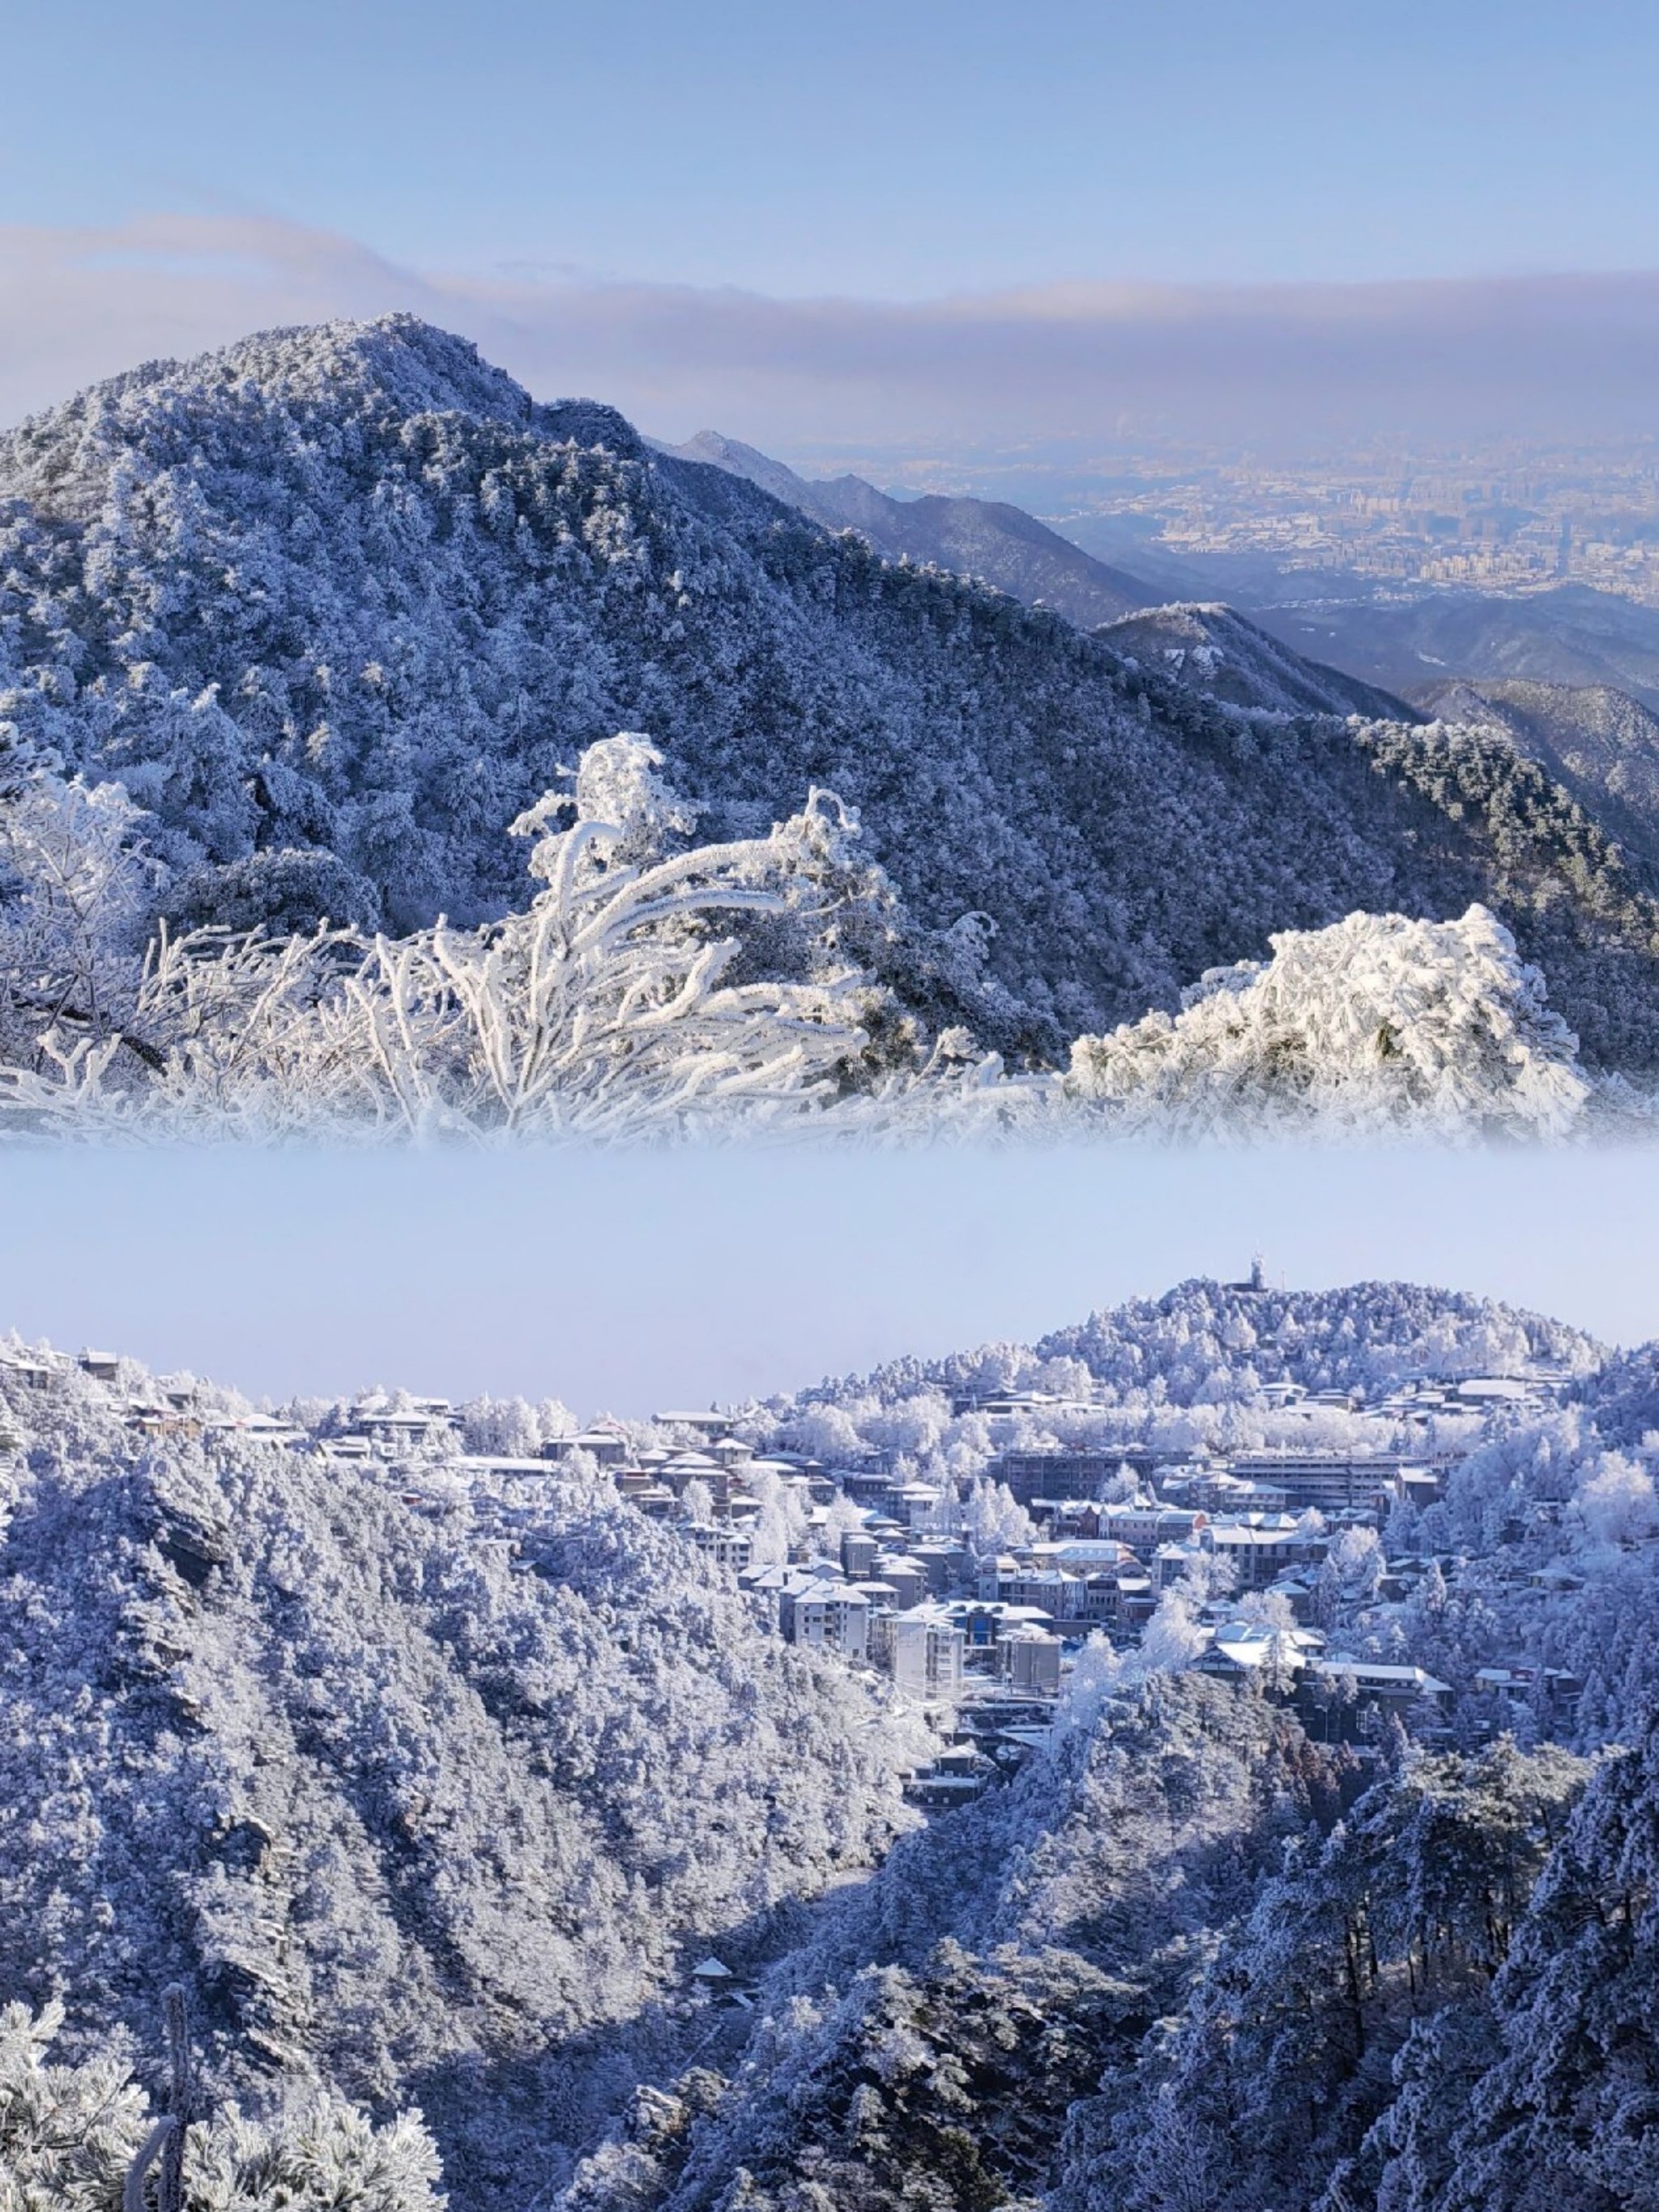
pixel 421 1816
pixel 1220 1968
pixel 952 2012
pixel 1191 1960
pixel 405 1813
pixel 348 593
pixel 1597 743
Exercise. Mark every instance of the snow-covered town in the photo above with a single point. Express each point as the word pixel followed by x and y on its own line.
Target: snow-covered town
pixel 703 713
pixel 1298 1569
pixel 1000 1702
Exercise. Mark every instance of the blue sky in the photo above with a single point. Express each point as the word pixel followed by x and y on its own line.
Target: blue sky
pixel 861 234
pixel 860 148
pixel 631 1280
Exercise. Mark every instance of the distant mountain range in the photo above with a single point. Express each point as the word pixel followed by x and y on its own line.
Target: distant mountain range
pixel 1584 660
pixel 1401 636
pixel 349 593
pixel 1569 636
pixel 980 538
pixel 1093 570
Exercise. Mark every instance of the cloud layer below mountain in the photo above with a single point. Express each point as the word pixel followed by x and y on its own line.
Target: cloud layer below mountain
pixel 1066 368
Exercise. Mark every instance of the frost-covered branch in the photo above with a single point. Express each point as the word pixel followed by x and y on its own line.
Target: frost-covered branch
pixel 654 988
pixel 608 1006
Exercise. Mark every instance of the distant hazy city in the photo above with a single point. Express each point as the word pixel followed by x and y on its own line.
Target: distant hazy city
pixel 1511 515
pixel 1503 518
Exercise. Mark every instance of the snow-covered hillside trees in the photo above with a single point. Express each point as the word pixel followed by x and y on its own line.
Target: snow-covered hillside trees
pixel 336 606
pixel 1437 2008
pixel 1564 2108
pixel 406 1810
pixel 1281 2064
pixel 1191 1963
pixel 1376 1023
pixel 655 985
pixel 1206 1344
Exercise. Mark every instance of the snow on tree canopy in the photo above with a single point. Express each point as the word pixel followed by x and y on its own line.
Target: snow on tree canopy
pixel 349 595
pixel 400 1807
pixel 1376 1021
pixel 1174 1347
pixel 70 2135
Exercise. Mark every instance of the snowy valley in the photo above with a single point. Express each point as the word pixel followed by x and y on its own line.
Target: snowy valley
pixel 1204 1758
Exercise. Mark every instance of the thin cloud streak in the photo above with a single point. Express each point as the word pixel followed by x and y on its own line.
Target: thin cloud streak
pixel 1286 367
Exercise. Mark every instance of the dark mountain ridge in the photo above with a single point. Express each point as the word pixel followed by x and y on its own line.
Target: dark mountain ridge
pixel 1213 649
pixel 350 592
pixel 1404 638
pixel 999 544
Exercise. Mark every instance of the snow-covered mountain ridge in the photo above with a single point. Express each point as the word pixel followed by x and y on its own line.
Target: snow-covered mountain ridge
pixel 1203 1334
pixel 1214 650
pixel 336 606
pixel 985 539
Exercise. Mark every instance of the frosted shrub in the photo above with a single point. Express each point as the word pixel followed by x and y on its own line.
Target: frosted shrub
pixel 658 988
pixel 324 2155
pixel 1377 1022
pixel 609 1007
pixel 69 2135
pixel 75 887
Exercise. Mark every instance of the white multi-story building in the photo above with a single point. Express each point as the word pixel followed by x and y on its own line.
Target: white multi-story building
pixel 927 1654
pixel 726 1546
pixel 829 1615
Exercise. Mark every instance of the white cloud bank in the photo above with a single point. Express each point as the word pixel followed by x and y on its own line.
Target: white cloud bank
pixel 1567 357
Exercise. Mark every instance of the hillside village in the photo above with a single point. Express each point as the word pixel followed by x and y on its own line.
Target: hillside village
pixel 701 1756
pixel 1275 1565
